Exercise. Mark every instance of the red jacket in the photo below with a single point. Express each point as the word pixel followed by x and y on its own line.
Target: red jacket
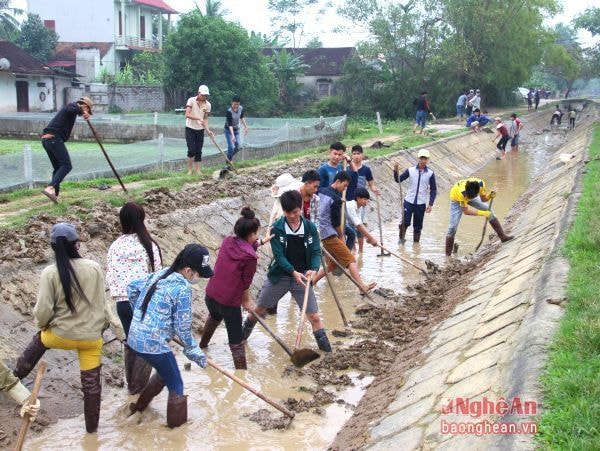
pixel 234 271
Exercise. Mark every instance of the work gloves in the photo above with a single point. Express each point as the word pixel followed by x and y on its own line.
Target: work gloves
pixel 492 194
pixel 195 354
pixel 21 395
pixel 485 213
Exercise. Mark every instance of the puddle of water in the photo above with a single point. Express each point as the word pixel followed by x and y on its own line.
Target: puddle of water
pixel 216 405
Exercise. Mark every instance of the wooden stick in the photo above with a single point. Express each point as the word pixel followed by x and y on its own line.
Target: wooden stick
pixel 379 220
pixel 484 227
pixel 347 274
pixel 34 394
pixel 335 298
pixel 248 387
pixel 303 315
pixel 343 220
pixel 404 259
pixel 105 154
pixel 227 160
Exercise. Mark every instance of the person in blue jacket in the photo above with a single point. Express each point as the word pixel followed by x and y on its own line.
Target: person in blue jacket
pixel 162 309
pixel 477 120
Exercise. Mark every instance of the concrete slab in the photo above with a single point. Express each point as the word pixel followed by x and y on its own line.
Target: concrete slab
pixel 476 363
pixel 407 440
pixel 432 367
pixel 441 337
pixel 458 344
pixel 475 300
pixel 514 316
pixel 402 419
pixel 430 387
pixel 505 306
pixel 507 291
pixel 490 341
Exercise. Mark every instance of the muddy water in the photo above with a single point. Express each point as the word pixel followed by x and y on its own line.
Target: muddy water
pixel 218 408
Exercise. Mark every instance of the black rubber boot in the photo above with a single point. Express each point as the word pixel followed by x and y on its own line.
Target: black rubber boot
pixel 140 374
pixel 176 410
pixel 322 340
pixel 209 329
pixel 30 356
pixel 238 352
pixel 416 237
pixel 128 360
pixel 91 385
pixel 449 245
pixel 248 327
pixel 499 231
pixel 153 388
pixel 402 233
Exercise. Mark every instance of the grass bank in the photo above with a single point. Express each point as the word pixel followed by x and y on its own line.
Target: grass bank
pixel 571 382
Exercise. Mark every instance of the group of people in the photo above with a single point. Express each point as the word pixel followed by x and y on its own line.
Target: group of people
pixel 467 102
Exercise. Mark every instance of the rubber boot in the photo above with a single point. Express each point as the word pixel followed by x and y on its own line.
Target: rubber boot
pixel 402 233
pixel 499 231
pixel 30 357
pixel 449 245
pixel 129 361
pixel 238 352
pixel 322 340
pixel 416 236
pixel 209 329
pixel 247 327
pixel 140 374
pixel 153 388
pixel 176 410
pixel 91 386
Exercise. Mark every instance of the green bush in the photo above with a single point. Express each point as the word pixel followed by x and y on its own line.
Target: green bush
pixel 328 106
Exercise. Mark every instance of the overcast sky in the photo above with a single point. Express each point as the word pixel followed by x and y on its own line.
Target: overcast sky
pixel 254 15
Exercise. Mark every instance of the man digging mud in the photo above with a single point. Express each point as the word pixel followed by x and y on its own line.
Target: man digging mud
pixel 468 196
pixel 296 257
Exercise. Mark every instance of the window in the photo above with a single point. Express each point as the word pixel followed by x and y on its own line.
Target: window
pixel 50 24
pixel 120 24
pixel 143 27
pixel 324 89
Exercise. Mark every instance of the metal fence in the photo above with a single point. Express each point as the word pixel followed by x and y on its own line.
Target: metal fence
pixel 267 137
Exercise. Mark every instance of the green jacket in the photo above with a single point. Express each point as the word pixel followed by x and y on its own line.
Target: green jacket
pixel 280 265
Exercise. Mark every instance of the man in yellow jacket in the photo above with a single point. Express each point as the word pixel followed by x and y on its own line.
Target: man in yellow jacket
pixel 469 196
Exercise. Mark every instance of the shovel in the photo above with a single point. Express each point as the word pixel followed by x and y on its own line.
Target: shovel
pixel 347 274
pixel 227 160
pixel 299 357
pixel 383 254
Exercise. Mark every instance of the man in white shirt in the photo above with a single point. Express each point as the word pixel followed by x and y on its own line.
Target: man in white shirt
pixel 197 110
pixel 354 211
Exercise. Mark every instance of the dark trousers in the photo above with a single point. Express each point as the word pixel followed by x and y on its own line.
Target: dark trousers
pixel 502 143
pixel 350 233
pixel 125 313
pixel 232 317
pixel 195 141
pixel 414 212
pixel 60 159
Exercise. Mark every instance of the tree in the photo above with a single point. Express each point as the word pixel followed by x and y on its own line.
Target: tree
pixel 213 8
pixel 36 39
pixel 314 43
pixel 564 57
pixel 590 21
pixel 286 67
pixel 219 54
pixel 147 68
pixel 9 26
pixel 263 40
pixel 290 16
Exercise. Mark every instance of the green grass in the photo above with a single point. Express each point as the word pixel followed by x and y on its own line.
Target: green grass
pixel 571 382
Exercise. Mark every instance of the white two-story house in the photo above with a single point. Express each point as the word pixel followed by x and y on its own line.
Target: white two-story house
pixel 97 35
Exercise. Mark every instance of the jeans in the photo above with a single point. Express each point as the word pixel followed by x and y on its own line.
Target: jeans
pixel 456 213
pixel 125 313
pixel 420 118
pixel 416 210
pixel 60 159
pixel 350 233
pixel 232 149
pixel 460 110
pixel 232 317
pixel 166 367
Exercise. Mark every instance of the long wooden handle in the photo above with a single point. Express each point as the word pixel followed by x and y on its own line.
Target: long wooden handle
pixel 484 227
pixel 379 220
pixel 248 387
pixel 223 153
pixel 343 220
pixel 273 334
pixel 303 315
pixel 34 394
pixel 333 292
pixel 105 154
pixel 347 274
pixel 234 378
pixel 403 259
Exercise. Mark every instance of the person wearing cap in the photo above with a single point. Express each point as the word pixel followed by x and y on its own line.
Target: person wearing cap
pixel 515 132
pixel 285 182
pixel 162 309
pixel 502 133
pixel 197 111
pixel 469 196
pixel 130 257
pixel 422 105
pixel 72 313
pixel 331 232
pixel 469 108
pixel 233 117
pixel 477 120
pixel 13 387
pixel 419 199
pixel 475 101
pixel 229 289
pixel 54 137
pixel 296 259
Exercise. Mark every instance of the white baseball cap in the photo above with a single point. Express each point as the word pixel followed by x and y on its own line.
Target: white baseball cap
pixel 423 153
pixel 203 89
pixel 285 182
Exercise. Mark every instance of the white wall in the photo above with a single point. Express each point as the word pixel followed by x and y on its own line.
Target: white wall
pixel 78 20
pixel 8 92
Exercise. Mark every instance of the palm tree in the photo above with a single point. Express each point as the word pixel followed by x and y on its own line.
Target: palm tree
pixel 9 26
pixel 214 8
pixel 286 66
